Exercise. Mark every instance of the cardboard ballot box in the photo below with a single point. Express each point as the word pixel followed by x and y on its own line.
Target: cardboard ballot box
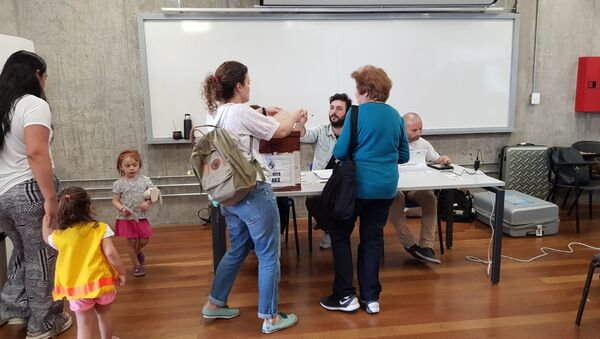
pixel 282 156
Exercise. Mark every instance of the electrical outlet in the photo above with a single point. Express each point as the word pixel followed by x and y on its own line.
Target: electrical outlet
pixel 535 98
pixel 471 157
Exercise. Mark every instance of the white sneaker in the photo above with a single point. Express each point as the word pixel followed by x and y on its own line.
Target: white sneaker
pixel 325 241
pixel 13 321
pixel 372 307
pixel 16 321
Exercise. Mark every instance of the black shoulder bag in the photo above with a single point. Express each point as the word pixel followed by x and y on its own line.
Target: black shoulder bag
pixel 337 198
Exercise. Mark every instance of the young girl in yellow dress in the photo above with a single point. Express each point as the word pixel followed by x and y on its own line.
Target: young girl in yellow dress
pixel 88 265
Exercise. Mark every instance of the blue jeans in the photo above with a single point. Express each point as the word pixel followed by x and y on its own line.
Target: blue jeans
pixel 255 219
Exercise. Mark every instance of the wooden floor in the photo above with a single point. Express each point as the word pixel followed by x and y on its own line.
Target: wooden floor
pixel 452 300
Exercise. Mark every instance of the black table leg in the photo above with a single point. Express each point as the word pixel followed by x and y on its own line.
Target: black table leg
pixel 217 223
pixel 498 228
pixel 448 210
pixel 309 232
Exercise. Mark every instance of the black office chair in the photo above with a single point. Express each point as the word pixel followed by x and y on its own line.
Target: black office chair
pixel 284 204
pixel 590 147
pixel 454 205
pixel 590 151
pixel 586 287
pixel 313 205
pixel 569 170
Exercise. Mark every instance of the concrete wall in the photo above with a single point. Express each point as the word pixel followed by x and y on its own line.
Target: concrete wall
pixel 95 90
pixel 8 19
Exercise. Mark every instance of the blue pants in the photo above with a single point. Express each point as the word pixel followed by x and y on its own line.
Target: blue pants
pixel 254 219
pixel 373 216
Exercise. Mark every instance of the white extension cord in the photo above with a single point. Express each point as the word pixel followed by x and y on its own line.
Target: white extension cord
pixel 543 249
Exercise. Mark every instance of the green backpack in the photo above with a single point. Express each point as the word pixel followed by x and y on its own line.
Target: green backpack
pixel 224 173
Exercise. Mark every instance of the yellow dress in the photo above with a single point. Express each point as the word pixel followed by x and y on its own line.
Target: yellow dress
pixel 82 270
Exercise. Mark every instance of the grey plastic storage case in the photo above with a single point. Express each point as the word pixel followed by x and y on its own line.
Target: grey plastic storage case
pixel 522 213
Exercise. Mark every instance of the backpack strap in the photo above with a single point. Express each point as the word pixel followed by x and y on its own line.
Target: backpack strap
pixel 259 170
pixel 353 131
pixel 198 128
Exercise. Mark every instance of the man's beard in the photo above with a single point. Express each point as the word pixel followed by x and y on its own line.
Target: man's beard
pixel 338 123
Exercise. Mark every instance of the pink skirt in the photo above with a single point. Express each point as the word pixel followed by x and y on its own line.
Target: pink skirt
pixel 133 228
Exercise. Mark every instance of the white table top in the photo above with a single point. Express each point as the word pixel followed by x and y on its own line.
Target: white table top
pixel 410 181
pixel 459 177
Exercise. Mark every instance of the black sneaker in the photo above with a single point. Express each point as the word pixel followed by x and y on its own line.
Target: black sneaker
pixel 413 251
pixel 347 304
pixel 427 254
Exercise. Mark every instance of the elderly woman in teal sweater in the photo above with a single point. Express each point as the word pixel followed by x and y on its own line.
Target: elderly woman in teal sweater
pixel 381 145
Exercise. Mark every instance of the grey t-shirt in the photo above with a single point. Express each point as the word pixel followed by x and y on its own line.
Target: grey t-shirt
pixel 132 195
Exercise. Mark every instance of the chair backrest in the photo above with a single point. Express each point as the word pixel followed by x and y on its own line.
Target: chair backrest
pixel 587 146
pixel 562 174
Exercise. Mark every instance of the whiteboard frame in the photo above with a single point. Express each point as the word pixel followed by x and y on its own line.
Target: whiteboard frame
pixel 377 3
pixel 150 139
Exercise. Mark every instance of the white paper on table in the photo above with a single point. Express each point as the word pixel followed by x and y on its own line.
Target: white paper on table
pixel 416 163
pixel 323 174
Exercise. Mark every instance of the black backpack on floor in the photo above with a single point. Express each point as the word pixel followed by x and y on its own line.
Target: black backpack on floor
pixel 462 209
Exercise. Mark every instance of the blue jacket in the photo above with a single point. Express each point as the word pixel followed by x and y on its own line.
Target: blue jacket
pixel 382 144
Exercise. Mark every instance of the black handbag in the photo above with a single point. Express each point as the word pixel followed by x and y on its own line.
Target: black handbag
pixel 338 196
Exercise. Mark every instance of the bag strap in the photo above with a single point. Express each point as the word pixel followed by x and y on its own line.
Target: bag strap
pixel 353 131
pixel 198 128
pixel 255 163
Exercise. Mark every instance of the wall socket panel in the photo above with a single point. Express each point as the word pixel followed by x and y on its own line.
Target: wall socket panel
pixel 535 98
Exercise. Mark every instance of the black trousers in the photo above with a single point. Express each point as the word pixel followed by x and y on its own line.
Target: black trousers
pixel 373 215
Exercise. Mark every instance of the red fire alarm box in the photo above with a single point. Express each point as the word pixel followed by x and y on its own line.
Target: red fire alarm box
pixel 587 98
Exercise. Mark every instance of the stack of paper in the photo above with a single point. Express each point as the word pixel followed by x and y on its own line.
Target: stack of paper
pixel 416 162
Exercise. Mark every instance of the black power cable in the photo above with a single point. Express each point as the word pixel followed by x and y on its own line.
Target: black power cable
pixel 204 215
pixel 477 161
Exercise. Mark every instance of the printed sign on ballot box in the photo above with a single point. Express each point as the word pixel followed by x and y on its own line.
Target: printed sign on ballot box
pixel 282 156
pixel 281 167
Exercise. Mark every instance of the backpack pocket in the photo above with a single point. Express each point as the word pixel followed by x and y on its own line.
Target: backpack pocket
pixel 215 171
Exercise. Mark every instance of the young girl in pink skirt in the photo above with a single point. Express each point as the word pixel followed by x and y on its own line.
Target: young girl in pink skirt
pixel 129 199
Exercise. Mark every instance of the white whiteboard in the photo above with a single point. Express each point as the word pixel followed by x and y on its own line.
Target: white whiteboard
pixel 457 71
pixel 10 44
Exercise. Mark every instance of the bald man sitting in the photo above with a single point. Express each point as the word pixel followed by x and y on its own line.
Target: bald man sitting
pixel 423 251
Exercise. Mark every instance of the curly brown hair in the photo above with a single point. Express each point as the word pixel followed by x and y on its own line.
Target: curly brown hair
pixel 219 87
pixel 373 81
pixel 74 206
